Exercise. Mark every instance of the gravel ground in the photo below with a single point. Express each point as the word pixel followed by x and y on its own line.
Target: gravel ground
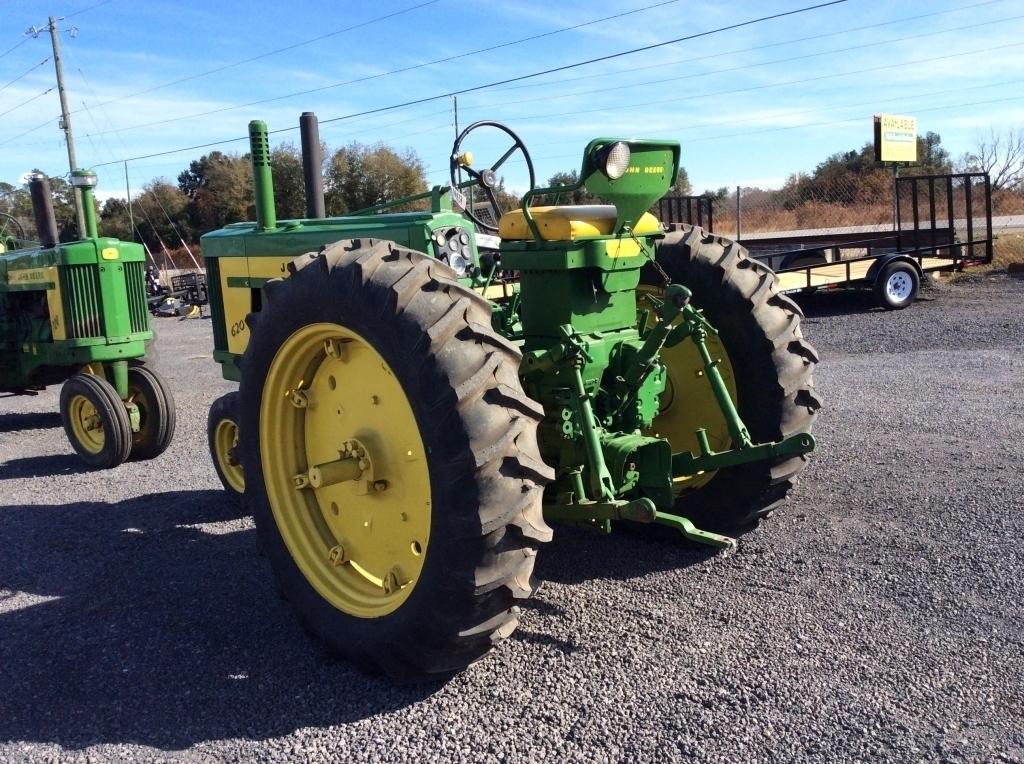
pixel 877 617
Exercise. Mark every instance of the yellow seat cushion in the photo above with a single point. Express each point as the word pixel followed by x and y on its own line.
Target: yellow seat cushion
pixel 566 223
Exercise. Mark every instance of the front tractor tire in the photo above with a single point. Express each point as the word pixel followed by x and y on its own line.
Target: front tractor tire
pixel 222 438
pixel 766 363
pixel 95 421
pixel 390 459
pixel 148 390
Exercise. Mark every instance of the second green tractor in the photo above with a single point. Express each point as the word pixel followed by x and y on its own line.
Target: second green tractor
pixel 422 392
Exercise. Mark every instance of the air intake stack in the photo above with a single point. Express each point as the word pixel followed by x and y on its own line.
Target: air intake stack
pixel 262 177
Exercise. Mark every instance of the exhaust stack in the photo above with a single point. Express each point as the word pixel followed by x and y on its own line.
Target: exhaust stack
pixel 262 177
pixel 42 209
pixel 312 161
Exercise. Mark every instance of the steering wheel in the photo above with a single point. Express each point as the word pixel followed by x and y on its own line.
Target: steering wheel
pixel 11 232
pixel 486 179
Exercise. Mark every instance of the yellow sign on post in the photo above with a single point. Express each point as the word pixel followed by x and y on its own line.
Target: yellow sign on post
pixel 895 138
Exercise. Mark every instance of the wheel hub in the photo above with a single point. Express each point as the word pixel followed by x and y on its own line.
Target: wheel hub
pixel 86 424
pixel 225 441
pixel 899 286
pixel 345 470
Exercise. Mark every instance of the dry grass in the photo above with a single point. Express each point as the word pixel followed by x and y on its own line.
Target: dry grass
pixel 1008 248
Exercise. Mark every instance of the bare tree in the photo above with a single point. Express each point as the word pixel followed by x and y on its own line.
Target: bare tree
pixel 1001 156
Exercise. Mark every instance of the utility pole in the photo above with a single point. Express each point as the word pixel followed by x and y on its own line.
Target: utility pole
pixel 65 118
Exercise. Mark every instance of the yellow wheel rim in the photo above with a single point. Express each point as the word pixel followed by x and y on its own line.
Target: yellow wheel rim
pixel 361 543
pixel 225 446
pixel 86 425
pixel 688 402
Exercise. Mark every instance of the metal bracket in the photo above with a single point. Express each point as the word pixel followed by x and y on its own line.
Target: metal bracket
pixel 685 463
pixel 639 511
pixel 693 533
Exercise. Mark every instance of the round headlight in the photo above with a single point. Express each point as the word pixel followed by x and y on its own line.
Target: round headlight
pixel 83 179
pixel 613 159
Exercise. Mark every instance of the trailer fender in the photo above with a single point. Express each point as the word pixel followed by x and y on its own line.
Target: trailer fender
pixel 879 265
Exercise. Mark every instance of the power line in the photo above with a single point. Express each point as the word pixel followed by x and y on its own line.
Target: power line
pixel 647 66
pixel 790 59
pixel 25 103
pixel 782 115
pixel 691 96
pixel 13 48
pixel 249 60
pixel 747 133
pixel 859 117
pixel 400 70
pixel 817 36
pixel 90 8
pixel 30 130
pixel 24 74
pixel 517 78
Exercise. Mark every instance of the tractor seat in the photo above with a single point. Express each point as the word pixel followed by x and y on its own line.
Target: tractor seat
pixel 569 222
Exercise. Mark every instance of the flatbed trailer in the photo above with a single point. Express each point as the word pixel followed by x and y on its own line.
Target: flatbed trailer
pixel 894 263
pixel 942 223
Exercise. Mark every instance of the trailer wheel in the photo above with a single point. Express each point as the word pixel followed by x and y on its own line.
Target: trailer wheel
pixel 897 285
pixel 222 437
pixel 767 366
pixel 150 392
pixel 391 459
pixel 96 421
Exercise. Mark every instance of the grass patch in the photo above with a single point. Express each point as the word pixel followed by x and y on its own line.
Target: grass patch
pixel 1008 248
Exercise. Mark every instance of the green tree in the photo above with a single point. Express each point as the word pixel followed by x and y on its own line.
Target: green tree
pixel 567 178
pixel 360 176
pixel 682 185
pixel 507 199
pixel 932 156
pixel 18 202
pixel 115 221
pixel 289 187
pixel 163 216
pixel 220 189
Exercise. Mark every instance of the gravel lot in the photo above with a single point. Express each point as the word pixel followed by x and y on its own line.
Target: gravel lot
pixel 877 617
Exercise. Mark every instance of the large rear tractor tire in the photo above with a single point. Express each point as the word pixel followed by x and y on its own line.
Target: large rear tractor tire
pixel 150 392
pixel 390 459
pixel 767 366
pixel 222 437
pixel 96 421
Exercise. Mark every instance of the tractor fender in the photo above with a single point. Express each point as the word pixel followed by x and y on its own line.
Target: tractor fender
pixel 879 265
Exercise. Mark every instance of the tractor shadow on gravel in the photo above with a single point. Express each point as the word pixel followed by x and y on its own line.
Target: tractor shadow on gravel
pixel 631 551
pixel 37 420
pixel 155 621
pixel 42 466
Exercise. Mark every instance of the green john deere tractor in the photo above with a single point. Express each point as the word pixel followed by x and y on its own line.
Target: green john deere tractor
pixel 420 392
pixel 75 314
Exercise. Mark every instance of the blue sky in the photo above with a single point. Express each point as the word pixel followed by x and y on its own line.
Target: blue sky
pixel 749 106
